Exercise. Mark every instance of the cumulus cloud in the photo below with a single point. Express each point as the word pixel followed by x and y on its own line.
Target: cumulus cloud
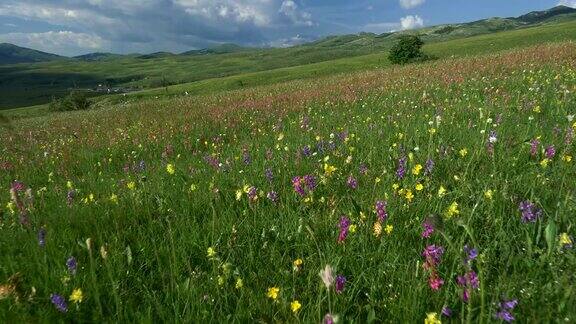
pixel 56 41
pixel 409 4
pixel 411 22
pixel 177 25
pixel 568 3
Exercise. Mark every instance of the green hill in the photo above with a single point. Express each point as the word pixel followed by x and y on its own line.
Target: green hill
pixel 12 54
pixel 35 84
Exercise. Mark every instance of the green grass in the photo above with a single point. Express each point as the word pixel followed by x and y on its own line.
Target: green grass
pixel 32 84
pixel 100 185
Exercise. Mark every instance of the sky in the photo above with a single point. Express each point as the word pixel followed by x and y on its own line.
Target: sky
pixel 74 27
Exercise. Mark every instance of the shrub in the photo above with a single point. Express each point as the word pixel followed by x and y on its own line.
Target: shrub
pixel 74 101
pixel 408 49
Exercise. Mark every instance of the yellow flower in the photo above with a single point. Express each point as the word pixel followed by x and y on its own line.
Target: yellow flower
pixel 441 191
pixel 170 168
pixel 544 163
pixel 377 180
pixel 280 136
pixel 131 185
pixel 416 169
pixel 463 152
pixel 419 187
pixel 488 194
pixel 69 184
pixel 452 210
pixel 297 263
pixel 76 296
pixel 329 169
pixel 565 239
pixel 389 229
pixel 377 229
pixel 295 306
pixel 432 131
pixel 395 186
pixel 352 228
pixel 567 158
pixel 220 280
pixel 211 252
pixel 238 194
pixel 273 292
pixel 114 198
pixel 11 207
pixel 537 109
pixel 432 318
pixel 409 195
pixel 239 283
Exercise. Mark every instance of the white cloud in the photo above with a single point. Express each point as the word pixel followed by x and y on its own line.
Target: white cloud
pixel 380 28
pixel 411 22
pixel 568 3
pixel 290 9
pixel 59 42
pixel 409 4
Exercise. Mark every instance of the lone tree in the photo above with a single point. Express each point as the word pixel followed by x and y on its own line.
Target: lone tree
pixel 407 49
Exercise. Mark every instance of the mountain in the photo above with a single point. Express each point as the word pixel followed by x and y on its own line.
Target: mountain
pixel 11 54
pixel 155 55
pixel 220 49
pixel 537 16
pixel 92 57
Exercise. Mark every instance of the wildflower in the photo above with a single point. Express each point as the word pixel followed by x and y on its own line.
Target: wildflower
pixel 567 158
pixel 327 276
pixel 381 211
pixel 417 169
pixel 329 319
pixel 452 210
pixel 530 213
pixel 72 265
pixel 269 174
pixel 432 318
pixel 252 194
pixel 401 170
pixel 59 302
pixel 340 282
pixel 344 227
pixel 295 306
pixel 377 228
pixel 429 167
pixel 352 182
pixel 211 252
pixel 131 185
pixel 329 169
pixel 103 252
pixel 42 237
pixel 389 229
pixel 419 187
pixel 544 163
pixel 239 283
pixel 550 152
pixel 565 241
pixel 534 147
pixel 504 313
pixel 446 311
pixel 409 195
pixel 471 254
pixel 435 282
pixel 297 264
pixel 272 196
pixel 441 191
pixel 272 293
pixel 353 228
pixel 433 255
pixel 76 296
pixel 170 169
pixel 489 194
pixel 428 229
pixel 114 199
pixel 463 152
pixel 239 194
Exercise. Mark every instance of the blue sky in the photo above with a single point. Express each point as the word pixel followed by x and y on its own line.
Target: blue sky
pixel 73 27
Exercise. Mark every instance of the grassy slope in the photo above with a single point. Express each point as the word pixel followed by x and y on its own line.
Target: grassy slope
pixel 37 83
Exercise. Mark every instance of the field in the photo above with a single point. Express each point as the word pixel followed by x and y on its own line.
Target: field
pixel 437 191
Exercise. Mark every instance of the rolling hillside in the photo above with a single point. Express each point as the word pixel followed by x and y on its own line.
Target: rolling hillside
pixel 37 83
pixel 12 54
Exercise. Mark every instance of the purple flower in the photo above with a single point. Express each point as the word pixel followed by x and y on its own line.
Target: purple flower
pixel 273 196
pixel 534 147
pixel 310 181
pixel 428 229
pixel 363 169
pixel 471 253
pixel 306 151
pixel 328 319
pixel 340 282
pixel 473 280
pixel 246 157
pixel 550 152
pixel 432 254
pixel 59 302
pixel 70 196
pixel 381 211
pixel 298 184
pixel 42 237
pixel 269 174
pixel 401 171
pixel 352 182
pixel 446 311
pixel 72 265
pixel 504 313
pixel 18 185
pixel 252 194
pixel 509 304
pixel 344 227
pixel 530 213
pixel 428 167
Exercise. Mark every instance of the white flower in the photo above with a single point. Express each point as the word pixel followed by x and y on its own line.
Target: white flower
pixel 327 276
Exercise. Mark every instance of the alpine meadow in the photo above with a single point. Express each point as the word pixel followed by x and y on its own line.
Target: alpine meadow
pixel 315 183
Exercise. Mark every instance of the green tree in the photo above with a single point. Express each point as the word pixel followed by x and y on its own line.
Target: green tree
pixel 407 49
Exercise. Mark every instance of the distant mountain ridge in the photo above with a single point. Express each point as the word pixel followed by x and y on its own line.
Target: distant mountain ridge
pixel 10 54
